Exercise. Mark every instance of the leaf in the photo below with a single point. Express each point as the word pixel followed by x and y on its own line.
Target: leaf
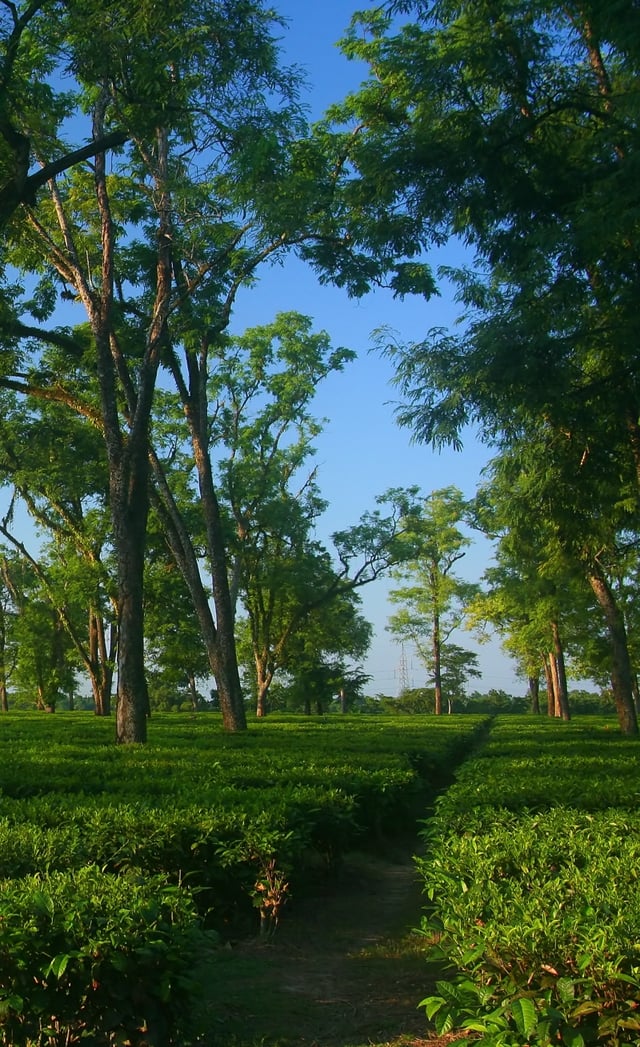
pixel 572 1038
pixel 566 990
pixel 11 1003
pixel 524 1014
pixel 432 1005
pixel 58 965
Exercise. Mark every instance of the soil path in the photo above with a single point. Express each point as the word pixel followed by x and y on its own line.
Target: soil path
pixel 346 967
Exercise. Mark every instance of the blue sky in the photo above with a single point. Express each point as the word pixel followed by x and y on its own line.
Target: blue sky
pixel 362 451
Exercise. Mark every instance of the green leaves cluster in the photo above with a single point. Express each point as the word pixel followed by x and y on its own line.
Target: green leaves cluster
pixel 533 892
pixel 86 953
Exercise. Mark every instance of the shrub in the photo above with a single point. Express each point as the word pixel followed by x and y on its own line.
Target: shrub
pixel 103 959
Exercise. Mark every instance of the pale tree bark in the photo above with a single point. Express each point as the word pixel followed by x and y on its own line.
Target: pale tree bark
pixel 263 684
pixel 100 663
pixel 551 693
pixel 437 664
pixel 560 674
pixel 621 670
pixel 555 683
pixel 534 694
pixel 193 692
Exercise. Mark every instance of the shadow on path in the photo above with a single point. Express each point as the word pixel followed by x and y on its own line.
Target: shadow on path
pixel 345 969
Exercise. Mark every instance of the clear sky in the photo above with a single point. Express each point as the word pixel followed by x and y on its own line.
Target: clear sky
pixel 362 451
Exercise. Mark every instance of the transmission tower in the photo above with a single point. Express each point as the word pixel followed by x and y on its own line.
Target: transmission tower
pixel 403 671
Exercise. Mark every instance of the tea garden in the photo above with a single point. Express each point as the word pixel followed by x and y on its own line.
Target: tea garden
pixel 126 870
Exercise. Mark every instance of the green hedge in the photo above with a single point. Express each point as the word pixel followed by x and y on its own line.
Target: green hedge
pixel 537 909
pixel 89 957
pixel 116 862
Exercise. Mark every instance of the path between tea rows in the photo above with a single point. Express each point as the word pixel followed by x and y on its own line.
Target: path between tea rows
pixel 345 969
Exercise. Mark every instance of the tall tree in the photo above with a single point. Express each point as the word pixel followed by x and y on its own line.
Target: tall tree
pixel 567 531
pixel 188 89
pixel 517 125
pixel 256 500
pixel 433 599
pixel 44 451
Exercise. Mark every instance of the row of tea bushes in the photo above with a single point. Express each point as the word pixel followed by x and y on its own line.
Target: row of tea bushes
pixel 532 873
pixel 91 957
pixel 119 866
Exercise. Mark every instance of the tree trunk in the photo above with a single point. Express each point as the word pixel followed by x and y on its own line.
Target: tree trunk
pixel 187 562
pixel 129 505
pixel 621 671
pixel 551 694
pixel 4 698
pixel 218 635
pixel 228 675
pixel 437 665
pixel 193 692
pixel 261 702
pixel 555 683
pixel 562 702
pixel 100 665
pixel 534 694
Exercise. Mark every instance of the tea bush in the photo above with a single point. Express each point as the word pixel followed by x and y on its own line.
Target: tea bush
pixel 538 910
pixel 116 861
pixel 86 956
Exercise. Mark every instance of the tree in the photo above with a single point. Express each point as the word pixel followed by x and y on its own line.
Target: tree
pixel 8 612
pixel 433 602
pixel 44 669
pixel 524 150
pixel 44 451
pixel 260 430
pixel 583 528
pixel 318 654
pixel 27 103
pixel 123 243
pixel 176 654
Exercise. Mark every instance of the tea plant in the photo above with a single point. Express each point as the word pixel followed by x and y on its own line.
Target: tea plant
pixel 90 955
pixel 537 910
pixel 117 860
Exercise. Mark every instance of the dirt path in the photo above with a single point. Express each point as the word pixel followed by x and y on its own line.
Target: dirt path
pixel 344 969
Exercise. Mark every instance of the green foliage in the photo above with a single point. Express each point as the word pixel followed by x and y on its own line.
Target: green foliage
pixel 495 701
pixel 87 954
pixel 531 880
pixel 509 130
pixel 117 863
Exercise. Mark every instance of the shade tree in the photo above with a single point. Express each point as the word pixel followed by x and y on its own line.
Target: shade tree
pixel 560 505
pixel 432 598
pixel 320 662
pixel 44 451
pixel 511 128
pixel 123 241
